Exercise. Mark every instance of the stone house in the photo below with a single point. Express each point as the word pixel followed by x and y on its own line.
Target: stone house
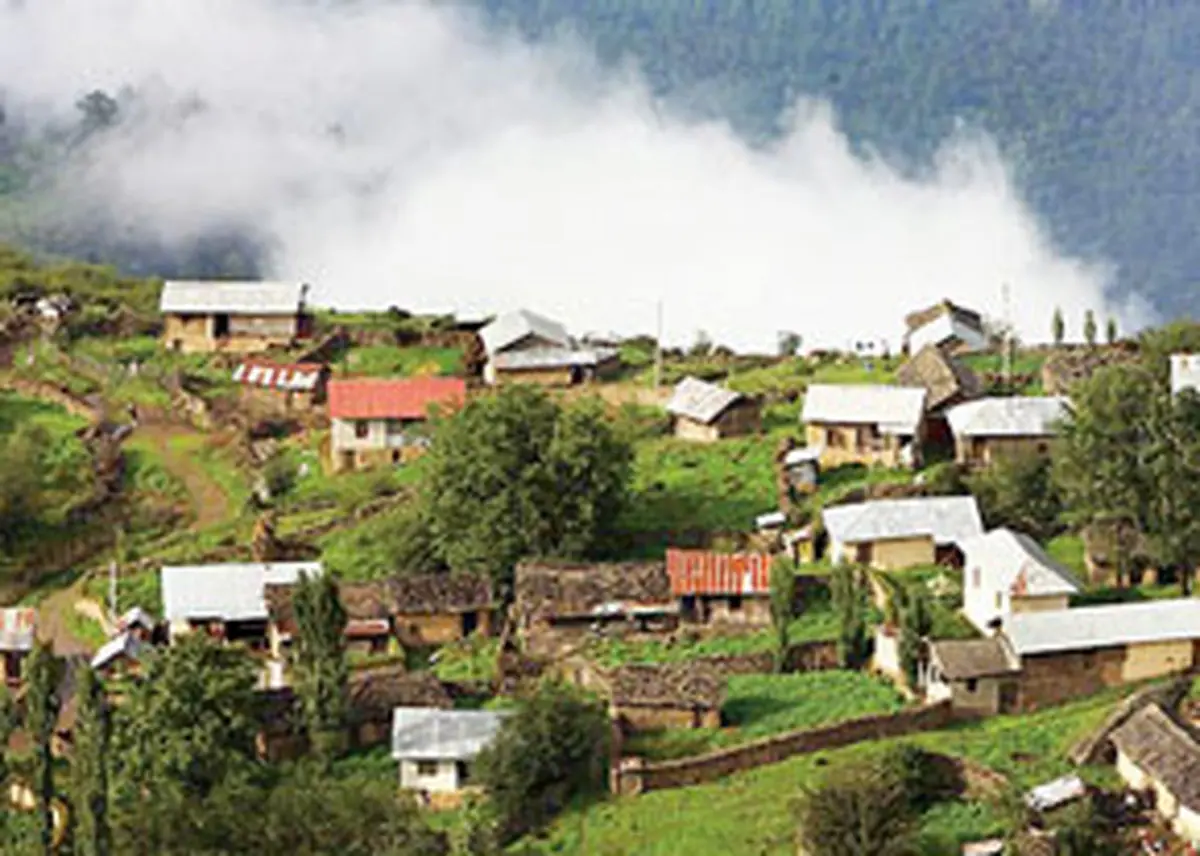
pixel 17 631
pixel 651 697
pixel 435 749
pixel 282 387
pixel 730 589
pixel 434 609
pixel 557 605
pixel 378 421
pixel 992 429
pixel 1185 373
pixel 1155 753
pixel 977 676
pixel 705 412
pixel 1006 572
pixel 369 627
pixel 233 317
pixel 896 534
pixel 524 347
pixel 947 382
pixel 374 694
pixel 865 424
pixel 945 325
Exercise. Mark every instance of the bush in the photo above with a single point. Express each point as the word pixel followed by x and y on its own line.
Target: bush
pixel 857 810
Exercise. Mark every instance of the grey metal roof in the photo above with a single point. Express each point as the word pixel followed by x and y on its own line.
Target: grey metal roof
pixel 701 401
pixel 945 328
pixel 195 297
pixel 511 327
pixel 948 519
pixel 122 645
pixel 1018 416
pixel 226 592
pixel 427 733
pixel 803 455
pixel 17 626
pixel 1185 372
pixel 136 616
pixel 895 409
pixel 1012 561
pixel 1108 626
pixel 552 358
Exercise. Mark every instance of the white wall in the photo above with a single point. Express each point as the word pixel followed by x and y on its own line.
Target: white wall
pixel 344 438
pixel 444 780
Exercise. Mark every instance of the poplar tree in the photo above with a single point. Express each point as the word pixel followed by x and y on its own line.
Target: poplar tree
pixel 1058 327
pixel 320 657
pixel 89 768
pixel 41 715
pixel 783 593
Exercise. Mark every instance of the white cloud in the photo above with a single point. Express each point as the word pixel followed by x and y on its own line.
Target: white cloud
pixel 470 169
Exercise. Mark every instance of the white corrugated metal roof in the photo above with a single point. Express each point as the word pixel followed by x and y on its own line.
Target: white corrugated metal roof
pixel 513 326
pixel 1008 561
pixel 536 358
pixel 226 592
pixel 947 519
pixel 1185 372
pixel 123 645
pixel 1087 627
pixel 803 455
pixel 699 400
pixel 426 733
pixel 945 328
pixel 196 297
pixel 1017 416
pixel 895 409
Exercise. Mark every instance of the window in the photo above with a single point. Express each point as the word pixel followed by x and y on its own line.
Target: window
pixel 972 684
pixel 976 578
pixel 395 427
pixel 735 603
pixel 999 600
pixel 1043 448
pixel 427 768
pixel 833 438
pixel 362 429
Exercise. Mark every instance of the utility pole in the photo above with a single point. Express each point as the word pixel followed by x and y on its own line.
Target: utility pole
pixel 658 348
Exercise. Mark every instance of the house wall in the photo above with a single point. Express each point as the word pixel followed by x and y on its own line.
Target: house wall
pixel 886 657
pixel 646 718
pixel 690 429
pixel 741 418
pixel 536 377
pixel 755 611
pixel 982 603
pixel 1153 660
pixel 437 629
pixel 247 333
pixel 843 444
pixel 1133 775
pixel 1044 603
pixel 279 328
pixel 985 451
pixel 895 554
pixel 1050 679
pixel 984 698
pixel 188 333
pixel 444 780
pixel 1187 824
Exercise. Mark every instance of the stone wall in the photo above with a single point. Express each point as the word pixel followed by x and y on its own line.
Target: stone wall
pixel 632 777
pixel 55 395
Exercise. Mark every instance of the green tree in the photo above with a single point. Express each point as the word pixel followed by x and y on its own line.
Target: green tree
pixel 849 591
pixel 43 676
pixel 1089 328
pixel 1020 492
pixel 89 768
pixel 8 723
pixel 916 623
pixel 783 598
pixel 1173 469
pixel 857 809
pixel 551 750
pixel 320 655
pixel 1058 327
pixel 1110 330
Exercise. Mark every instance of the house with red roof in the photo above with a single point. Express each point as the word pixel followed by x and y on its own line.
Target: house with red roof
pixel 721 588
pixel 381 421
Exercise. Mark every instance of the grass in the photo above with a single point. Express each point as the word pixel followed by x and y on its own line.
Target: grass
pixel 85 629
pixel 1068 549
pixel 218 464
pixel 470 659
pixel 393 361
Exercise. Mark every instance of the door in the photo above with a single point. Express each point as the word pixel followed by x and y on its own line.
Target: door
pixel 863 553
pixel 470 621
pixel 220 326
pixel 1008 697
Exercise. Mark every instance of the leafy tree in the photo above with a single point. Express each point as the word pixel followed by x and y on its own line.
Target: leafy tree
pixel 552 749
pixel 89 768
pixel 321 662
pixel 857 809
pixel 849 592
pixel 789 343
pixel 702 346
pixel 783 597
pixel 1110 330
pixel 916 623
pixel 1089 328
pixel 1020 492
pixel 43 675
pixel 8 723
pixel 1173 495
pixel 1058 327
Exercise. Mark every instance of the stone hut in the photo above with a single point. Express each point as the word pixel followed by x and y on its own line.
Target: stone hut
pixel 670 695
pixel 433 609
pixel 375 693
pixel 234 317
pixel 705 412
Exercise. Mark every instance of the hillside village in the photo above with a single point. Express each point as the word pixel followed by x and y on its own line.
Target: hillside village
pixel 401 545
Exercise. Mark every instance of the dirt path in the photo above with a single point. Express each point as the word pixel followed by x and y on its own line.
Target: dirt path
pixel 209 501
pixel 54 621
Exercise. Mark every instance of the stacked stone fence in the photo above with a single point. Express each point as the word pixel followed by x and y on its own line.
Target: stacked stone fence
pixel 632 776
pixel 55 395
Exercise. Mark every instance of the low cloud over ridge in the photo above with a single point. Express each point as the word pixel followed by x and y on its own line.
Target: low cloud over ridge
pixel 398 153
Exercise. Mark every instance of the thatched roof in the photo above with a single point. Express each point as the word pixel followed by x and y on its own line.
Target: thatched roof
pixel 430 594
pixel 1164 750
pixel 375 693
pixel 1064 368
pixel 673 685
pixel 365 601
pixel 944 378
pixel 964 659
pixel 550 590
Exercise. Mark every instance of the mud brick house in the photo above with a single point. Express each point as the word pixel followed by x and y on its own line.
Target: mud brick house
pixel 229 601
pixel 17 628
pixel 993 429
pixel 436 749
pixel 377 421
pixel 865 424
pixel 524 347
pixel 721 588
pixel 558 605
pixel 284 387
pixel 978 676
pixel 1006 572
pixel 373 695
pixel 666 695
pixel 895 534
pixel 1155 753
pixel 233 317
pixel 945 325
pixel 947 383
pixel 705 412
pixel 1185 373
pixel 434 609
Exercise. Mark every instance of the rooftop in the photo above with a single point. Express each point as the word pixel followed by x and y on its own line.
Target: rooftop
pixel 512 327
pixel 1018 416
pixel 561 590
pixel 708 572
pixel 1012 561
pixel 947 519
pixel 552 358
pixel 895 409
pixel 1107 626
pixel 429 734
pixel 17 626
pixel 701 401
pixel 438 593
pixel 229 592
pixel 943 377
pixel 671 685
pixel 398 398
pixel 964 659
pixel 374 693
pixel 1164 750
pixel 196 297
pixel 295 377
pixel 122 645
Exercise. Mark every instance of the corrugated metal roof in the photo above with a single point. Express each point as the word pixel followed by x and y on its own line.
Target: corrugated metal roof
pixel 895 409
pixel 123 645
pixel 803 455
pixel 1017 416
pixel 1185 372
pixel 947 519
pixel 400 398
pixel 947 327
pixel 430 734
pixel 226 592
pixel 552 358
pixel 136 617
pixel 701 401
pixel 1013 562
pixel 1164 750
pixel 1108 626
pixel 706 572
pixel 17 626
pixel 297 377
pixel 195 297
pixel 511 327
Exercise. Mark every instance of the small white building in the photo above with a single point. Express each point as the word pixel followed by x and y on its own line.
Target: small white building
pixel 526 347
pixel 1006 572
pixel 436 748
pixel 1156 754
pixel 894 534
pixel 1185 372
pixel 946 325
